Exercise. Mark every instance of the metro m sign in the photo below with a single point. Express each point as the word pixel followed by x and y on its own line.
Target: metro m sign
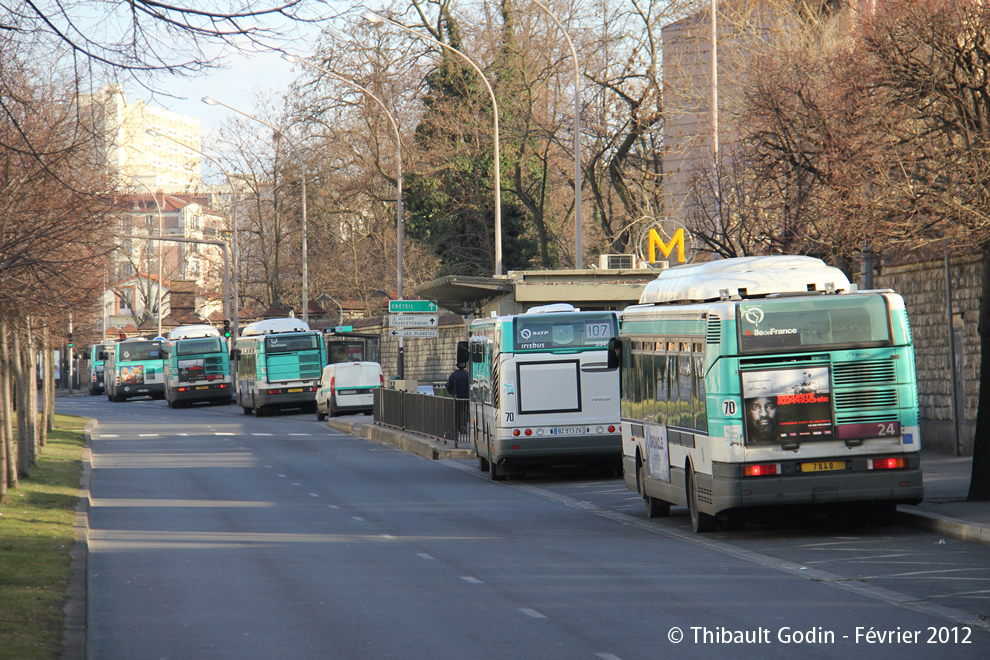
pixel 654 241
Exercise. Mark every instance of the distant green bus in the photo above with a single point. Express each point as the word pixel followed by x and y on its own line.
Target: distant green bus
pixel 277 365
pixel 133 368
pixel 197 367
pixel 765 382
pixel 91 368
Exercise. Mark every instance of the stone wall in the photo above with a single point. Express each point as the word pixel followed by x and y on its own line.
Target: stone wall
pixel 923 288
pixel 426 360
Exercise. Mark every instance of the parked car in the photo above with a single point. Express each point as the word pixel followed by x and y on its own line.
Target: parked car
pixel 348 387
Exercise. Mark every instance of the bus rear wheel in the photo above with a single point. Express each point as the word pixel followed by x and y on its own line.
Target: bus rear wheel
pixel 700 522
pixel 655 508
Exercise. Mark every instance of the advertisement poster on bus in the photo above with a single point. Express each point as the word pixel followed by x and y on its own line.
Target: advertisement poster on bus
pixel 787 406
pixel 657 459
pixel 192 370
pixel 132 375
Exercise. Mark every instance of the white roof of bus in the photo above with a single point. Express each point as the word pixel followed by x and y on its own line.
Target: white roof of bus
pixel 274 326
pixel 189 331
pixel 754 276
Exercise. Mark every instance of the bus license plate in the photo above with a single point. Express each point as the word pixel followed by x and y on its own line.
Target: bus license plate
pixel 823 466
pixel 202 387
pixel 294 389
pixel 143 389
pixel 569 430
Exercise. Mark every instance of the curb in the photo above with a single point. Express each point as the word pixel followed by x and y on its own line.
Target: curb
pixel 424 446
pixel 74 636
pixel 933 522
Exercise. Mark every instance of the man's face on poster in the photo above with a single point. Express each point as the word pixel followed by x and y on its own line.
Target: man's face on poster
pixel 762 413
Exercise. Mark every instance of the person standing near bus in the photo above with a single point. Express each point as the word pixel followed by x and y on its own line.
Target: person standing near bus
pixel 457 383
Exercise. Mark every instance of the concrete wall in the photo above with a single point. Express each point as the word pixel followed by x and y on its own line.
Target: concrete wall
pixel 923 287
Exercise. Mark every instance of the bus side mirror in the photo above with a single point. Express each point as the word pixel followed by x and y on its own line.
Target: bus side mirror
pixel 463 354
pixel 614 353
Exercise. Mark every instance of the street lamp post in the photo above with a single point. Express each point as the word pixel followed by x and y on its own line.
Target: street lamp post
pixel 399 229
pixel 302 175
pixel 378 19
pixel 233 230
pixel 161 231
pixel 578 179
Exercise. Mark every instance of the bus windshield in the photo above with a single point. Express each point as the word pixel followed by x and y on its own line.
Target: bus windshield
pixel 290 343
pixel 563 331
pixel 813 323
pixel 198 346
pixel 137 351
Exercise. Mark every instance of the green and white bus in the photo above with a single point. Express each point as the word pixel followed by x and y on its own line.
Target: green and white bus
pixel 134 367
pixel 277 364
pixel 197 367
pixel 542 392
pixel 91 368
pixel 768 381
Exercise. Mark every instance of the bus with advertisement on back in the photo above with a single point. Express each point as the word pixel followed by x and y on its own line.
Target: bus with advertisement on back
pixel 91 368
pixel 134 367
pixel 542 393
pixel 197 367
pixel 766 381
pixel 277 365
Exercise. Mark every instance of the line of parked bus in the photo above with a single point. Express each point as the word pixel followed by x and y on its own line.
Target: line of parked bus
pixel 275 364
pixel 733 385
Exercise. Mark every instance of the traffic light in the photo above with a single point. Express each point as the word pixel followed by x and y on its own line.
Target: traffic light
pixel 226 328
pixel 69 337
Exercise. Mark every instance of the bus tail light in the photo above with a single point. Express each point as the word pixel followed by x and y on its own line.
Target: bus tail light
pixel 515 433
pixel 891 463
pixel 761 470
pixel 611 428
pixel 529 431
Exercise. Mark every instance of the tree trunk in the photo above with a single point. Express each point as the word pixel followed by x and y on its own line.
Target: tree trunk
pixel 20 385
pixel 46 387
pixel 7 401
pixel 4 414
pixel 31 391
pixel 979 482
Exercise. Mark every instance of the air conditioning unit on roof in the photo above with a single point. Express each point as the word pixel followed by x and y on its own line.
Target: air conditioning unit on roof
pixel 616 261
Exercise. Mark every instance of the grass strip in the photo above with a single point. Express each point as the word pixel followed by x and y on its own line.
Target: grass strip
pixel 36 537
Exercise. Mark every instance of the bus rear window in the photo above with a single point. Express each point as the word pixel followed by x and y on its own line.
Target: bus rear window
pixel 151 350
pixel 291 343
pixel 551 331
pixel 198 346
pixel 813 323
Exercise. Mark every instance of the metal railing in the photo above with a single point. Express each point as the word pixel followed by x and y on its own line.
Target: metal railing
pixel 440 417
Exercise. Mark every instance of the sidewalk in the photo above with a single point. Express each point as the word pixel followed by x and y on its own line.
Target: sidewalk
pixel 944 511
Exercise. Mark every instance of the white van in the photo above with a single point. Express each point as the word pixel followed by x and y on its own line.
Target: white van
pixel 348 387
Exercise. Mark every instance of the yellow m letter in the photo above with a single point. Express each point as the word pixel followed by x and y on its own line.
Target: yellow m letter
pixel 654 242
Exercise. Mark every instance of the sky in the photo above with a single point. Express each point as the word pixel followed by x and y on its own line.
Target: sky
pixel 237 86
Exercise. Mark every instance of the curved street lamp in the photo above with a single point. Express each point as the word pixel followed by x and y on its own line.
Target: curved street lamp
pixel 377 19
pixel 302 175
pixel 578 179
pixel 399 229
pixel 233 229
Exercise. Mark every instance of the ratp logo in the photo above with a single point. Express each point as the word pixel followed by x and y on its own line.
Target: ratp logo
pixel 753 315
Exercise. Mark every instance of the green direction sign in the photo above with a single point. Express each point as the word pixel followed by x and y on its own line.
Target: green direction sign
pixel 400 306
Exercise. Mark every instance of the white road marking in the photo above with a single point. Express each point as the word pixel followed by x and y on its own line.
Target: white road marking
pixel 531 613
pixel 424 555
pixel 471 580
